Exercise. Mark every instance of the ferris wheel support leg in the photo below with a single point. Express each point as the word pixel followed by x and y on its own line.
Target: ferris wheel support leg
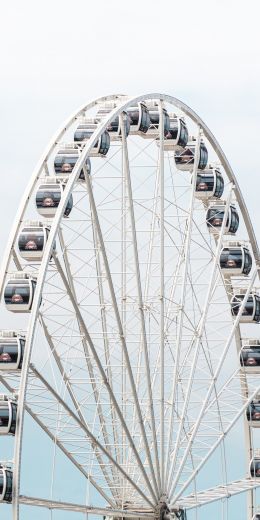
pixel 140 300
pixel 182 301
pixel 121 332
pixel 216 374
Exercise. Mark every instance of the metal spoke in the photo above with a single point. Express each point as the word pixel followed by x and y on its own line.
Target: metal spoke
pixel 120 329
pixel 198 335
pixel 61 447
pixel 183 295
pixel 89 434
pixel 140 298
pixel 102 372
pixel 212 385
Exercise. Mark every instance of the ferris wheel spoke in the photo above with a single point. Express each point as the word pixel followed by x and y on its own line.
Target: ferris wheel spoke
pixel 182 301
pixel 105 337
pixel 198 333
pixel 86 431
pixel 102 419
pixel 102 372
pixel 54 439
pixel 162 295
pixel 77 405
pixel 202 498
pixel 140 297
pixel 121 332
pixel 84 509
pixel 235 414
pixel 212 385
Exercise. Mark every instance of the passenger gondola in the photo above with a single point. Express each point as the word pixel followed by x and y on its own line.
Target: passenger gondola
pixel 19 292
pixel 256 517
pixel 254 467
pixel 235 259
pixel 253 413
pixel 66 159
pixel 139 119
pixel 177 135
pixel 184 159
pixel 12 345
pixel 6 484
pixel 32 241
pixel 154 114
pixel 251 311
pixel 8 413
pixel 209 183
pixel 114 127
pixel 250 356
pixel 215 216
pixel 84 132
pixel 48 197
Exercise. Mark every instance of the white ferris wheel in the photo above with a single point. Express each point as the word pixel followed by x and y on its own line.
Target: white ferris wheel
pixel 130 360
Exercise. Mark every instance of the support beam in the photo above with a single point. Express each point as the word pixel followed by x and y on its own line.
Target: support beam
pixel 80 508
pixel 202 498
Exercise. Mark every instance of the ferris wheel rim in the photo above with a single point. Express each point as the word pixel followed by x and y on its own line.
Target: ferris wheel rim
pixel 69 188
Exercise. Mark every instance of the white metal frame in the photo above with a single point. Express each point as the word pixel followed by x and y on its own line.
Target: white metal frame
pixel 157 485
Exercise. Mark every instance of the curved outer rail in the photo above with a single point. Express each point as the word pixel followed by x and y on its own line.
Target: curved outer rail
pixel 123 105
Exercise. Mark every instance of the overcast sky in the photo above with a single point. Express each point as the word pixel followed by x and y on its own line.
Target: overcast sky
pixel 55 55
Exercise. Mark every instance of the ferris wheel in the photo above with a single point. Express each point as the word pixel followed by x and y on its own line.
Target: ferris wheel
pixel 129 346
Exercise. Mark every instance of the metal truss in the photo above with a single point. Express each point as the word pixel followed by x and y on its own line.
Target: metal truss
pixel 131 366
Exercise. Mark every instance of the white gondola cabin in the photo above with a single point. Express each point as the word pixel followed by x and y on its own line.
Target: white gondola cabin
pixel 209 183
pixel 177 135
pixel 49 195
pixel 253 413
pixel 6 484
pixel 19 292
pixel 235 259
pixel 139 119
pixel 12 345
pixel 114 127
pixel 250 356
pixel 66 159
pixel 251 311
pixel 254 467
pixel 84 132
pixel 32 240
pixel 8 414
pixel 184 159
pixel 154 114
pixel 215 217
